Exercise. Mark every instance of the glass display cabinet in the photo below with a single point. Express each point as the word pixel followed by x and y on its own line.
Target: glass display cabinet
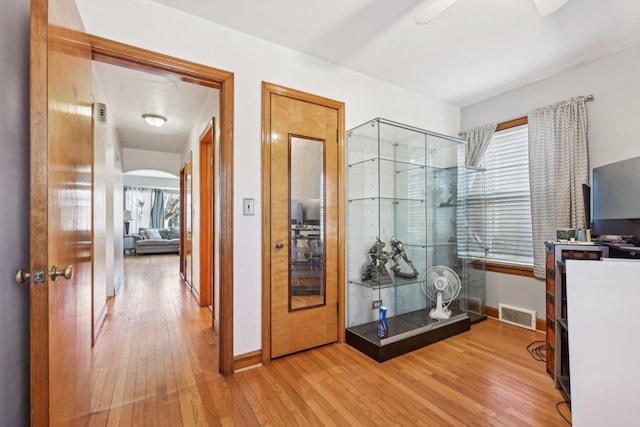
pixel 411 247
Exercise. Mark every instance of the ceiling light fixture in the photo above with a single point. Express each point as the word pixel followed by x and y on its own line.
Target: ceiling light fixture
pixel 154 120
pixel 435 8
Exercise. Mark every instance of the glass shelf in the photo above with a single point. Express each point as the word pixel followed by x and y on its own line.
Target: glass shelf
pixel 405 184
pixel 391 200
pixel 398 281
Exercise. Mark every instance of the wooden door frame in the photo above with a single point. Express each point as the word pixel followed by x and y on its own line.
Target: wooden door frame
pixel 186 240
pixel 207 231
pixel 269 89
pixel 183 227
pixel 127 56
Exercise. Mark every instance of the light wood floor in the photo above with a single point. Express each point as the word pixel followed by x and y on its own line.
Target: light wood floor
pixel 155 363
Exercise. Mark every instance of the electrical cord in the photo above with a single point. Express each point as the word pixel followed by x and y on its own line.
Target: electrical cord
pixel 559 412
pixel 539 352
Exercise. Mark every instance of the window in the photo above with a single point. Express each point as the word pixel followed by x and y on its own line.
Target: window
pixel 507 210
pixel 139 201
pixel 172 210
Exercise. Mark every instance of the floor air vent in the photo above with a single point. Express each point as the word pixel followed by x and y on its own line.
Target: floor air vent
pixel 517 316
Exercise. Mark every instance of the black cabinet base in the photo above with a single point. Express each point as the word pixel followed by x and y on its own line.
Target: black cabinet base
pixel 410 331
pixel 476 317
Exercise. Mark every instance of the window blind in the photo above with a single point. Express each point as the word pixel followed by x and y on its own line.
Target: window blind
pixel 500 225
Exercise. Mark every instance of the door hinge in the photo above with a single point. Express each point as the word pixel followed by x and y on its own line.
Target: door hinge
pixel 338 307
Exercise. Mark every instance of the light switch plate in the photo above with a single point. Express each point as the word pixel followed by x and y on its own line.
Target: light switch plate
pixel 247 206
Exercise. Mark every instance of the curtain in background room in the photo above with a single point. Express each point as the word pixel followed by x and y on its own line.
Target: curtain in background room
pixel 138 201
pixel 558 166
pixel 157 211
pixel 478 140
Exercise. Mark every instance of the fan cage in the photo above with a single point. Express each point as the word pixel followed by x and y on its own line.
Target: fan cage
pixel 452 280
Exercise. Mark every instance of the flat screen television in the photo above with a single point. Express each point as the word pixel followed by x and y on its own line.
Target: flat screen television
pixel 616 198
pixel 306 211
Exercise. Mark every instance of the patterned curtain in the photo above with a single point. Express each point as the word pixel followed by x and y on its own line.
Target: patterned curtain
pixel 478 140
pixel 157 211
pixel 558 166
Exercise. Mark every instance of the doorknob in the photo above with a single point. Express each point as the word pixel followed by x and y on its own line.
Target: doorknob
pixel 279 245
pixel 67 273
pixel 22 275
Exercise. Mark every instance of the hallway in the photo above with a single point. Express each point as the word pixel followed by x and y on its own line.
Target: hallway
pixel 155 348
pixel 155 364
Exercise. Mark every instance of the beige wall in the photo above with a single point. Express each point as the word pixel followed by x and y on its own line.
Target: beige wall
pixel 612 136
pixel 253 61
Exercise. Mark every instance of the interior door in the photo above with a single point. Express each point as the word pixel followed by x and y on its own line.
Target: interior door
pixel 60 217
pixel 304 225
pixel 188 223
pixel 207 233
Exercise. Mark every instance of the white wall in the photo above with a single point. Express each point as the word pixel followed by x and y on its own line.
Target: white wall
pixel 108 268
pixel 158 28
pixel 133 159
pixel 611 132
pixel 100 146
pixel 164 183
pixel 614 83
pixel 115 204
pixel 210 108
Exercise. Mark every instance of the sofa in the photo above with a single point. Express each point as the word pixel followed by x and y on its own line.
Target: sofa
pixel 157 241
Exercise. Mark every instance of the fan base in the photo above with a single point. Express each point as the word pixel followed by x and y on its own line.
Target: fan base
pixel 440 313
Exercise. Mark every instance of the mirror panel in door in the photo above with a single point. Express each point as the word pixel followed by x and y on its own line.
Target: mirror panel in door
pixel 306 193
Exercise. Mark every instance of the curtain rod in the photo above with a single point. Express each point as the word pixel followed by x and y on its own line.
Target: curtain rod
pixel 587 98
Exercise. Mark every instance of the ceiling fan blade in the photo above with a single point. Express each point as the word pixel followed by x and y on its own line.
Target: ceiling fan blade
pixel 434 9
pixel 547 7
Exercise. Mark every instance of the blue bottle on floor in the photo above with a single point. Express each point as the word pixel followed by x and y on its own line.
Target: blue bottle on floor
pixel 383 329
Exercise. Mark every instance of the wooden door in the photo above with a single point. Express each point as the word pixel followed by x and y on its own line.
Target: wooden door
pixel 186 221
pixel 207 219
pixel 304 224
pixel 60 218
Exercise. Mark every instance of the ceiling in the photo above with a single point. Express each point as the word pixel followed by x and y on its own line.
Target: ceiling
pixel 129 94
pixel 474 50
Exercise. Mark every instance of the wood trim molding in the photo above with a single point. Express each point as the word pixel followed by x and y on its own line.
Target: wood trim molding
pixel 225 186
pixel 39 295
pixel 267 90
pixel 512 123
pixel 517 270
pixel 248 360
pixel 266 224
pixel 493 312
pixel 207 212
pixel 342 223
pixel 183 233
pixel 117 53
